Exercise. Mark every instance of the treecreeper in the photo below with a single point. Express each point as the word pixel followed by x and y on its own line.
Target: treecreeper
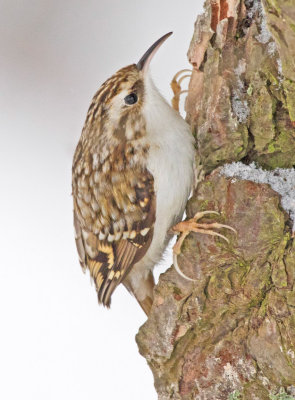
pixel 133 171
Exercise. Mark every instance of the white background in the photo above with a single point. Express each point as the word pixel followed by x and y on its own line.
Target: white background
pixel 55 341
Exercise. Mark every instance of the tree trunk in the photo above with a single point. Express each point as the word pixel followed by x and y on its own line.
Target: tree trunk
pixel 231 333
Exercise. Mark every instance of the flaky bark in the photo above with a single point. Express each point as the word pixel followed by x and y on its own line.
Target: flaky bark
pixel 231 334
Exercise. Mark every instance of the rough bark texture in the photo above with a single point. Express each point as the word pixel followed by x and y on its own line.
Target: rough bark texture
pixel 231 333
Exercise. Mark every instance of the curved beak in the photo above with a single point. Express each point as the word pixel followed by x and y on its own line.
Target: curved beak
pixel 145 60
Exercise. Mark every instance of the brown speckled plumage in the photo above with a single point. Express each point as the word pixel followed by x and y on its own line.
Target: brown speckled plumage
pixel 133 146
pixel 114 200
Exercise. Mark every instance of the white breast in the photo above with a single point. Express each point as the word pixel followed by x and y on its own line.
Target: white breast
pixel 170 161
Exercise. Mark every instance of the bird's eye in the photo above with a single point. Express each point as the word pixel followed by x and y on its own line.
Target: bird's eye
pixel 130 99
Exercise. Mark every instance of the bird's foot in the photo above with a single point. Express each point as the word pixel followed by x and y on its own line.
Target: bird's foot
pixel 192 225
pixel 176 87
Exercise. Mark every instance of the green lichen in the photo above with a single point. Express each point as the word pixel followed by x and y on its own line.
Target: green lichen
pixel 290 296
pixel 236 395
pixel 272 6
pixel 283 155
pixel 271 148
pixel 234 149
pixel 289 87
pixel 250 90
pixel 280 151
pixel 282 395
pixel 261 122
pixel 204 205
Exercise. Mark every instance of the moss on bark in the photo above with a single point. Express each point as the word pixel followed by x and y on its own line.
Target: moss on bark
pixel 241 100
pixel 234 328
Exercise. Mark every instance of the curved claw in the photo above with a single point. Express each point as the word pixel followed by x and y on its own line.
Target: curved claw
pixel 176 87
pixel 216 225
pixel 176 266
pixel 200 214
pixel 228 227
pixel 175 77
pixel 211 233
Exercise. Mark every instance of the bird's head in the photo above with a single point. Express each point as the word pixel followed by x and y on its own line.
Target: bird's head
pixel 117 108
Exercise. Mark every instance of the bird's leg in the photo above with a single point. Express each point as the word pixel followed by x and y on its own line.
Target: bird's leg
pixel 176 87
pixel 192 225
pixel 142 290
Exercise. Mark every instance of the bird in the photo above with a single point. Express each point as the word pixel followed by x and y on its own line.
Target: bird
pixel 133 171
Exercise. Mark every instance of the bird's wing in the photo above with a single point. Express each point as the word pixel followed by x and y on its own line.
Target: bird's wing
pixel 114 214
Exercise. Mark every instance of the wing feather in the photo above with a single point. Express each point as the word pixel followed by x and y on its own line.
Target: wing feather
pixel 114 214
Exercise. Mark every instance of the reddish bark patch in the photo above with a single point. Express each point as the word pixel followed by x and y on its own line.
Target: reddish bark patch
pixel 219 11
pixel 214 15
pixel 223 9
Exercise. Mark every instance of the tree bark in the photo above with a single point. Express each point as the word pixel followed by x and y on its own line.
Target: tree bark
pixel 231 333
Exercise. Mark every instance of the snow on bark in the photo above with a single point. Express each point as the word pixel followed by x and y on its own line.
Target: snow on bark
pixel 281 180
